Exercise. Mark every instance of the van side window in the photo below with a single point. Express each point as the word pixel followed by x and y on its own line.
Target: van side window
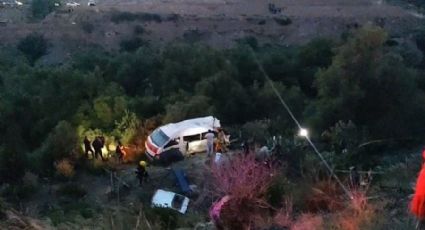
pixel 171 143
pixel 195 137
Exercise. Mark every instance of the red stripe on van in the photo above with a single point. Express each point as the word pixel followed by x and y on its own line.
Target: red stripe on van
pixel 151 147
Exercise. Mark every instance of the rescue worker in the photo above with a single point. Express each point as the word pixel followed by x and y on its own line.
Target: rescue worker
pixel 417 205
pixel 141 172
pixel 87 147
pixel 120 152
pixel 221 140
pixel 98 145
pixel 210 142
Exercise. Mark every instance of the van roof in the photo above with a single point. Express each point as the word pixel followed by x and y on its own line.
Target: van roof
pixel 162 197
pixel 191 126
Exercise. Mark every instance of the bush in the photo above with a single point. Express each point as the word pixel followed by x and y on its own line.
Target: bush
pixel 62 142
pixel 275 192
pixel 119 17
pixel 173 17
pixel 166 218
pixel 283 21
pixel 192 35
pixel 130 45
pixel 13 160
pixel 69 211
pixel 33 47
pixel 41 8
pixel 139 30
pixel 72 190
pixel 87 27
pixel 250 41
pixel 17 192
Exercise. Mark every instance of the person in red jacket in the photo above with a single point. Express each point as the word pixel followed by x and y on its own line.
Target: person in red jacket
pixel 417 205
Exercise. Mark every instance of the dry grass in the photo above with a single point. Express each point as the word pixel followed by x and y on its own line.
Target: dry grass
pixel 65 168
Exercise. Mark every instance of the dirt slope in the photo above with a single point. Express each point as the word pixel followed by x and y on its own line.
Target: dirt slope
pixel 215 22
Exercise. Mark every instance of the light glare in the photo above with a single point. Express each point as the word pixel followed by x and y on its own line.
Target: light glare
pixel 303 132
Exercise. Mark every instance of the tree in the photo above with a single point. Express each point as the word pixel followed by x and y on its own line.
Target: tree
pixel 13 160
pixel 41 8
pixel 33 46
pixel 370 86
pixel 62 142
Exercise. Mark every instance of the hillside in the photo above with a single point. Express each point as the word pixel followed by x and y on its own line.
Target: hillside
pixel 217 23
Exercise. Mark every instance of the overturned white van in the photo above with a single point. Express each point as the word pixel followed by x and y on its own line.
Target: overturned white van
pixel 186 136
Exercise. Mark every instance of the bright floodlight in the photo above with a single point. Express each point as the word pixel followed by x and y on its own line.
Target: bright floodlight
pixel 303 132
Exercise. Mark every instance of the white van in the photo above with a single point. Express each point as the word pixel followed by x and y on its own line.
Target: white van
pixel 187 136
pixel 166 199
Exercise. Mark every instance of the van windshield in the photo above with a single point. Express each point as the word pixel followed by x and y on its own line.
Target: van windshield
pixel 177 202
pixel 159 138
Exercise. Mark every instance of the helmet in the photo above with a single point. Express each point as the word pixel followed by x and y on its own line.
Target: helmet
pixel 142 163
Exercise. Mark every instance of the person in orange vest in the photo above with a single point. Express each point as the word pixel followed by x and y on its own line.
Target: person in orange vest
pixel 417 205
pixel 120 152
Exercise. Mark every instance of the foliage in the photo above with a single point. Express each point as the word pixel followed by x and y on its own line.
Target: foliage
pixel 118 17
pixel 72 190
pixel 17 192
pixel 284 21
pixel 41 8
pixel 33 46
pixel 69 211
pixel 87 27
pixel 13 160
pixel 359 79
pixel 62 142
pixel 132 44
pixel 138 30
pixel 167 218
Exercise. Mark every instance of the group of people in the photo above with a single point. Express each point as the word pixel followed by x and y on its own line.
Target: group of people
pixel 98 144
pixel 216 146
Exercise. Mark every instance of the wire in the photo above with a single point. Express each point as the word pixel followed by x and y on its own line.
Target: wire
pixel 260 67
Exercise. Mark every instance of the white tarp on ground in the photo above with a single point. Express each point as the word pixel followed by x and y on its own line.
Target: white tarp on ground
pixel 191 126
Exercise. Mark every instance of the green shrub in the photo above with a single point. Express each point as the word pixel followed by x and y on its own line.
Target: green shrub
pixel 87 27
pixel 167 218
pixel 276 192
pixel 61 143
pixel 18 192
pixel 13 160
pixel 41 8
pixel 33 46
pixel 132 44
pixel 148 17
pixel 250 41
pixel 93 167
pixel 139 30
pixel 72 190
pixel 192 35
pixel 119 17
pixel 283 21
pixel 173 17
